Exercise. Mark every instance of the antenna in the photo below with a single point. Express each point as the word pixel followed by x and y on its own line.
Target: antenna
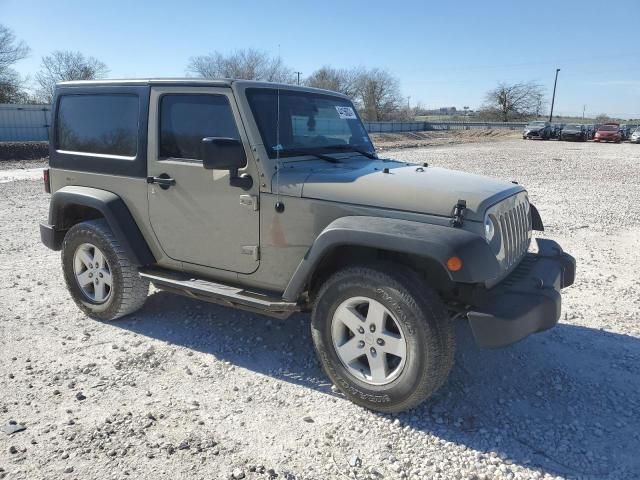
pixel 279 205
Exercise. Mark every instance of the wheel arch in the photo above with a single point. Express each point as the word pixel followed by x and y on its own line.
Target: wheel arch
pixel 72 204
pixel 421 246
pixel 341 256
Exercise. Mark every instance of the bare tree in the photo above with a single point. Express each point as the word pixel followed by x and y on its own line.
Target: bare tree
pixel 511 101
pixel 336 79
pixel 11 51
pixel 12 87
pixel 375 92
pixel 247 64
pixel 378 93
pixel 603 118
pixel 65 65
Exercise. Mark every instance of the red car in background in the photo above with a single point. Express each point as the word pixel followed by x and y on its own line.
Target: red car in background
pixel 609 132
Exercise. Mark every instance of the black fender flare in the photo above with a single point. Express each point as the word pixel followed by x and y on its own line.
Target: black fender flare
pixel 114 211
pixel 436 242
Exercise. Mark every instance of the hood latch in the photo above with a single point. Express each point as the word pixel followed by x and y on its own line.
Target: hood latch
pixel 458 213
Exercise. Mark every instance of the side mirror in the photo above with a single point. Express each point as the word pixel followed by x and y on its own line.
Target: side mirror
pixel 222 153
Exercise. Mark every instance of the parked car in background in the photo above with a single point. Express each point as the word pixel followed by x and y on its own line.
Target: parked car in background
pixel 609 132
pixel 556 129
pixel 635 136
pixel 625 132
pixel 538 129
pixel 591 131
pixel 574 131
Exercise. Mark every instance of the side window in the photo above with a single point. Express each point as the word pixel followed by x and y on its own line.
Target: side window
pixel 186 119
pixel 100 124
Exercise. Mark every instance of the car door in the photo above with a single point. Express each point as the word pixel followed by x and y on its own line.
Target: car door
pixel 197 216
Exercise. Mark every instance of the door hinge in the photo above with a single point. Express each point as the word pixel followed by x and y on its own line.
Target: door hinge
pixel 250 201
pixel 252 250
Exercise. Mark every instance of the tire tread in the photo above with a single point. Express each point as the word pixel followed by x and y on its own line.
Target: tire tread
pixel 420 299
pixel 135 289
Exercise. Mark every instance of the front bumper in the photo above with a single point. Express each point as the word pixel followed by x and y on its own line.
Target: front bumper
pixel 527 301
pixel 573 136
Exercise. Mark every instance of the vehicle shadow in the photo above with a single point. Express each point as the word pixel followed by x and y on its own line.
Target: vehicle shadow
pixel 565 402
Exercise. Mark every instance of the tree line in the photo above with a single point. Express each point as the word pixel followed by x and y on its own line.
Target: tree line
pixel 375 91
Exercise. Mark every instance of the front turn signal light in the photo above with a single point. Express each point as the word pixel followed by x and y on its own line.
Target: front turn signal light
pixel 454 264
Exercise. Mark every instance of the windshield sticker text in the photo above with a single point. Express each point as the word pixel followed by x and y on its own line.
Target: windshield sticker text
pixel 346 113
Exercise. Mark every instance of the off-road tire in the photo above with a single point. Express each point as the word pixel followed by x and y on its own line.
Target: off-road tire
pixel 426 326
pixel 129 291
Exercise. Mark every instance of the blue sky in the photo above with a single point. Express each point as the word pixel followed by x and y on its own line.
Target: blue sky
pixel 444 53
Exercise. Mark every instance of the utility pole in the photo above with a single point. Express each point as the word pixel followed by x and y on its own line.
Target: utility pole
pixel 409 102
pixel 298 73
pixel 553 98
pixel 584 107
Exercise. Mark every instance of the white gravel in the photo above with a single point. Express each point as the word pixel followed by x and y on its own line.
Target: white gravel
pixel 190 390
pixel 11 175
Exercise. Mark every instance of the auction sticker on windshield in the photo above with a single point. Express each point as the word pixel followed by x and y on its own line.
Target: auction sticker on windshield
pixel 346 113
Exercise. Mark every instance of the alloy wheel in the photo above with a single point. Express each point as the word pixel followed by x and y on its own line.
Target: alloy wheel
pixel 93 273
pixel 368 340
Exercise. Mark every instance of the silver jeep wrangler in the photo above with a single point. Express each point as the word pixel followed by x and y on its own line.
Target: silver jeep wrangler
pixel 271 198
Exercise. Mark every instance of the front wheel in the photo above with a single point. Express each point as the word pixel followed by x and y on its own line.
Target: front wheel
pixel 100 277
pixel 383 336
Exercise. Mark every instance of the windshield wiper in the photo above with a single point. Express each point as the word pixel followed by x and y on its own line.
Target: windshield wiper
pixel 351 148
pixel 313 154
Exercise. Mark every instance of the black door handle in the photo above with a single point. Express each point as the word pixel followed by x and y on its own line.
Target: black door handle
pixel 163 180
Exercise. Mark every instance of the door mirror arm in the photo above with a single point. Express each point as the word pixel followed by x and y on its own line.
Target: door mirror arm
pixel 244 181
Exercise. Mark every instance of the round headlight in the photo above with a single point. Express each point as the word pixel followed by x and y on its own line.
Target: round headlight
pixel 489 229
pixel 492 233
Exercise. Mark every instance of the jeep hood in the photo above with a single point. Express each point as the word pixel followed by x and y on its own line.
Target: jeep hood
pixel 413 188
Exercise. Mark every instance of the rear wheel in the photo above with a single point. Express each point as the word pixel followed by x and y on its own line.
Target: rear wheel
pixel 383 336
pixel 100 277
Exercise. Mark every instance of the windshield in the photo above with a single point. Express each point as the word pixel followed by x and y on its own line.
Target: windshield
pixel 573 127
pixel 609 128
pixel 309 123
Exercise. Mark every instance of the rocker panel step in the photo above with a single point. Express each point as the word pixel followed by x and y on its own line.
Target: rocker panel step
pixel 219 293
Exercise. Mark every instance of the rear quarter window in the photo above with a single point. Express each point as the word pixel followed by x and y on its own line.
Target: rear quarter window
pixel 105 124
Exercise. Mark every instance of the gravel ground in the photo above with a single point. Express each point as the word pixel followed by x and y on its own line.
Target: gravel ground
pixel 190 390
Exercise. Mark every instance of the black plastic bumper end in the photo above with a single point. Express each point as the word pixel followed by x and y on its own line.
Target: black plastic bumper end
pixel 527 301
pixel 51 237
